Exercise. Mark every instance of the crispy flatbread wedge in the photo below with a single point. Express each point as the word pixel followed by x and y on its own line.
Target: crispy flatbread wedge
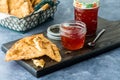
pixel 20 8
pixel 39 62
pixel 4 6
pixel 33 47
pixel 32 1
pixel 45 7
pixel 15 4
pixel 22 11
pixel 47 47
pixel 30 6
pixel 35 2
pixel 23 49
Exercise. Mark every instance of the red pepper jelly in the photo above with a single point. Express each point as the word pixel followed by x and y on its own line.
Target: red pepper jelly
pixel 89 17
pixel 73 35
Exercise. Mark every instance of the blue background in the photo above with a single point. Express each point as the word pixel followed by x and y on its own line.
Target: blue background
pixel 110 9
pixel 103 67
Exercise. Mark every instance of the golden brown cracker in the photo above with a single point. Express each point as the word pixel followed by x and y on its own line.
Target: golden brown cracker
pixel 15 4
pixel 39 62
pixel 53 52
pixel 32 1
pixel 47 47
pixel 22 49
pixel 44 7
pixel 20 8
pixel 4 6
pixel 36 2
pixel 22 11
pixel 32 47
pixel 30 6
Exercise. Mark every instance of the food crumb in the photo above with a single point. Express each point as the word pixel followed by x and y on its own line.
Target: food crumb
pixel 68 52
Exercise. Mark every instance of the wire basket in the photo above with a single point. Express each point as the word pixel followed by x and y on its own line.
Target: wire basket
pixel 28 22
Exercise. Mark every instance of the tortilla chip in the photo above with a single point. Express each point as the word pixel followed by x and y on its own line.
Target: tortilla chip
pixel 4 6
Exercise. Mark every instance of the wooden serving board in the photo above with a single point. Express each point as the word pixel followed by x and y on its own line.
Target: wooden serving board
pixel 109 40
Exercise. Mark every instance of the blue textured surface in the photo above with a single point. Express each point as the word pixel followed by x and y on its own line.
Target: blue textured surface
pixel 103 67
pixel 110 9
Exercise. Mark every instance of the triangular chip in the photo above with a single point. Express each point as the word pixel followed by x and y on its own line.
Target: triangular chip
pixel 30 6
pixel 39 62
pixel 35 2
pixel 47 47
pixel 23 49
pixel 20 8
pixel 15 4
pixel 33 47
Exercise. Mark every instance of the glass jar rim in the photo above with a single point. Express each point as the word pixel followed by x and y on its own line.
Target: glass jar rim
pixel 81 24
pixel 74 22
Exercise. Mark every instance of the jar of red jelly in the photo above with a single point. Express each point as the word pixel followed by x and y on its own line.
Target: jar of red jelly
pixel 87 11
pixel 73 34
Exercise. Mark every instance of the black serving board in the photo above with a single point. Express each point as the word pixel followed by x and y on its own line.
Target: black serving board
pixel 110 40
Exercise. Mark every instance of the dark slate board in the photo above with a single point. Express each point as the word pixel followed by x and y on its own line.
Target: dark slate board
pixel 110 40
